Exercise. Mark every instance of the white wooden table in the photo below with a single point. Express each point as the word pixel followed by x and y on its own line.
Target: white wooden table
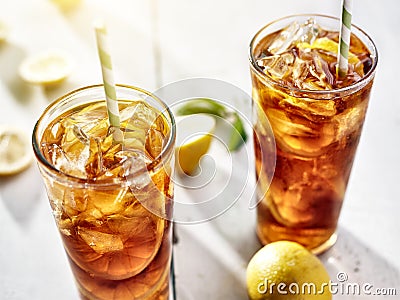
pixel 158 42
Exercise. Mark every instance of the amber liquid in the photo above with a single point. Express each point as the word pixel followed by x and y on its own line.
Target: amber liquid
pixel 117 248
pixel 316 141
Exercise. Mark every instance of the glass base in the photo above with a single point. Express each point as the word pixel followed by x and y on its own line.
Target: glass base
pixel 316 250
pixel 325 246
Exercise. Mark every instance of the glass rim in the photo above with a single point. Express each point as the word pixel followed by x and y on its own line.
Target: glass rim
pixel 354 86
pixel 166 151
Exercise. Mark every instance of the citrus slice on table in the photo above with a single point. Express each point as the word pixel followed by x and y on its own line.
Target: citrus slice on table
pixel 15 150
pixel 3 31
pixel 66 5
pixel 286 270
pixel 194 136
pixel 47 68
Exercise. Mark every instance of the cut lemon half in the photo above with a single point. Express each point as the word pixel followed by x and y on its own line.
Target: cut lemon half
pixel 194 136
pixel 47 68
pixel 15 150
pixel 3 31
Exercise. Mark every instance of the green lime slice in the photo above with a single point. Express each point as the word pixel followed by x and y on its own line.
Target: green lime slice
pixel 238 134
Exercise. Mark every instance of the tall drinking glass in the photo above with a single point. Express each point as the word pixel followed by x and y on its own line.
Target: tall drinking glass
pixel 112 201
pixel 316 119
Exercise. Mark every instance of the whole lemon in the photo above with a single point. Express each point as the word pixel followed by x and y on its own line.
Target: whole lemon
pixel 287 270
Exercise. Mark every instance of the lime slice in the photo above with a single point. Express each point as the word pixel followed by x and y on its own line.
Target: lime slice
pixel 194 136
pixel 3 31
pixel 46 68
pixel 15 150
pixel 238 134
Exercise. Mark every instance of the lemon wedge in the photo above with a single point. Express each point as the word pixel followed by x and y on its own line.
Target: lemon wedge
pixel 3 31
pixel 286 270
pixel 15 150
pixel 48 68
pixel 194 136
pixel 328 45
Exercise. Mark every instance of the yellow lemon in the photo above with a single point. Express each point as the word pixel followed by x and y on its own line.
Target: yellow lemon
pixel 286 270
pixel 328 45
pixel 194 136
pixel 15 150
pixel 48 68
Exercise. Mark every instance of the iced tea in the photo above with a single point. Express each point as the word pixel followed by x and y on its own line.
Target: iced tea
pixel 316 119
pixel 112 201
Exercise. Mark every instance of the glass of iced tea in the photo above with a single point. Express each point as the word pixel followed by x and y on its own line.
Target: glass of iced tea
pixel 316 119
pixel 112 201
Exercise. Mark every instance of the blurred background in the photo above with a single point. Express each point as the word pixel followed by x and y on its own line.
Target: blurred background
pixel 154 43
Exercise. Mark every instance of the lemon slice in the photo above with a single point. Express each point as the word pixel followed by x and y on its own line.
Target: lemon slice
pixel 3 31
pixel 15 150
pixel 194 136
pixel 66 5
pixel 47 68
pixel 328 45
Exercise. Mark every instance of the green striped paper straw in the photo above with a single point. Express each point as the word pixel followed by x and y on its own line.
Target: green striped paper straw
pixel 108 79
pixel 344 38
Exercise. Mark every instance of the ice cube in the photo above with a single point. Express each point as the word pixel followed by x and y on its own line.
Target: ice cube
pixel 57 132
pixel 296 135
pixel 100 242
pixel 75 152
pixel 135 163
pixel 63 161
pixel 299 71
pixel 154 142
pixel 295 33
pixel 313 110
pixel 89 117
pixel 279 66
pixel 320 73
pixel 142 117
pixel 111 201
pixel 65 226
pixel 80 134
pixel 94 163
pixel 285 39
pixel 131 227
pixel 74 202
pixel 127 113
pixel 310 202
